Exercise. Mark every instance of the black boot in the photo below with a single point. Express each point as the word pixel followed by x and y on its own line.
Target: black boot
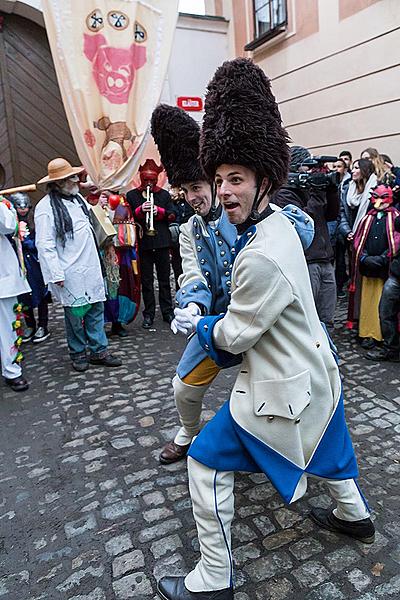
pixel 173 588
pixel 362 530
pixel 383 354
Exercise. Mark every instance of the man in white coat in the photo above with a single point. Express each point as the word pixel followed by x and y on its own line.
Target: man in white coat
pixel 70 263
pixel 205 245
pixel 12 283
pixel 285 416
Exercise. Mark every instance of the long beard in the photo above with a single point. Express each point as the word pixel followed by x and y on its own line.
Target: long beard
pixel 69 189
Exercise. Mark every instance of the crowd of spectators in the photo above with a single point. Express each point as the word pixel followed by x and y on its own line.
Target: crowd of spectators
pixel 354 256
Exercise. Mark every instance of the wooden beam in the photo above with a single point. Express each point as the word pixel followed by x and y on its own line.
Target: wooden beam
pixel 8 107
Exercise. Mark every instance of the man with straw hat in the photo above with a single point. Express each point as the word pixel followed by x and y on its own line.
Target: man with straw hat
pixel 285 416
pixel 70 264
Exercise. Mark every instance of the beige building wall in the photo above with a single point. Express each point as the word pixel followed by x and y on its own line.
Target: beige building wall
pixel 335 71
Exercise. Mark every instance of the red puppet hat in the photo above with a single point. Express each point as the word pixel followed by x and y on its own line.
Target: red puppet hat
pixel 150 166
pixel 384 192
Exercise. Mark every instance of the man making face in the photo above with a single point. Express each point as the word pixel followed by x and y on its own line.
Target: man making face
pixel 285 415
pixel 206 243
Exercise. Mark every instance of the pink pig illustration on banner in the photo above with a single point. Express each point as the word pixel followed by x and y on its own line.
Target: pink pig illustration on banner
pixel 113 69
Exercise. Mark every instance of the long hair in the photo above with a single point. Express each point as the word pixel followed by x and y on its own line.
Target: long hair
pixel 379 164
pixel 366 169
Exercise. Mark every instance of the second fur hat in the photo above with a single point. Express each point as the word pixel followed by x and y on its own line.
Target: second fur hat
pixel 177 136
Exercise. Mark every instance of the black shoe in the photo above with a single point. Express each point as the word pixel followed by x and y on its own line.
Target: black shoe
pixel 17 384
pixel 363 530
pixel 41 335
pixel 147 323
pixel 117 329
pixel 80 365
pixel 341 294
pixel 367 343
pixel 173 588
pixel 105 360
pixel 168 318
pixel 383 354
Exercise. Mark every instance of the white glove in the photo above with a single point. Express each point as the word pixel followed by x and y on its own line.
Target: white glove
pixel 186 319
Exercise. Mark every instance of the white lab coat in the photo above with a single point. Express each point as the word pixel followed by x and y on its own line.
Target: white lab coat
pixel 12 282
pixel 77 263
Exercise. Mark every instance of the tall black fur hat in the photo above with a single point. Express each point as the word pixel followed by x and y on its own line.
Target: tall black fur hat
pixel 177 136
pixel 242 123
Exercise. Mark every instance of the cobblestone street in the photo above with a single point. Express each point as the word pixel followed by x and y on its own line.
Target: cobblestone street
pixel 88 513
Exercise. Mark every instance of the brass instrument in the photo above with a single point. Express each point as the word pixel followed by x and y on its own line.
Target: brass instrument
pixel 150 215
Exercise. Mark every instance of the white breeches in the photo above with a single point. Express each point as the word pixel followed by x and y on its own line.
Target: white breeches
pixel 7 339
pixel 213 508
pixel 189 402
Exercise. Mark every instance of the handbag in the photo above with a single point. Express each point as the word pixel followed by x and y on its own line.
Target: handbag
pixel 103 228
pixel 125 234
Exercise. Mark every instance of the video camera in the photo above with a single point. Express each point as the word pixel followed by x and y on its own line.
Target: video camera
pixel 316 177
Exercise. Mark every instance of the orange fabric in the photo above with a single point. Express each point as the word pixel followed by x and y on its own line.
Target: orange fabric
pixel 203 374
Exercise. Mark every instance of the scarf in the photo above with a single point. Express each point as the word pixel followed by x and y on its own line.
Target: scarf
pixel 360 239
pixel 360 200
pixel 62 218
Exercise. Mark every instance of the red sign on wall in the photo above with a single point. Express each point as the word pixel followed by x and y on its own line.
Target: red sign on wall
pixel 190 103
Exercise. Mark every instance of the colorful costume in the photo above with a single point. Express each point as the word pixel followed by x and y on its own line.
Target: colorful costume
pixel 122 269
pixel 375 244
pixel 12 283
pixel 206 249
pixel 154 250
pixel 285 416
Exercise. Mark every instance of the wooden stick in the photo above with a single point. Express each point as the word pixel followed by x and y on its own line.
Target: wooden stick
pixel 21 188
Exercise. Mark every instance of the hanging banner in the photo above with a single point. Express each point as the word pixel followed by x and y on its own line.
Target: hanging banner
pixel 111 58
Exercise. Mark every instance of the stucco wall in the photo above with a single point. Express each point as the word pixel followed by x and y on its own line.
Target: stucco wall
pixel 336 73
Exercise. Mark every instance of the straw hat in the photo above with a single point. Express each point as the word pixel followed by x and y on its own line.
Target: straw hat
pixel 58 169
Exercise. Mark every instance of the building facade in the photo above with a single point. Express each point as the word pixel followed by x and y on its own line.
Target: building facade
pixel 33 124
pixel 333 65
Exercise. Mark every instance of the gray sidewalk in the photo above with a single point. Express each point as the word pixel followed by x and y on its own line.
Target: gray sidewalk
pixel 88 513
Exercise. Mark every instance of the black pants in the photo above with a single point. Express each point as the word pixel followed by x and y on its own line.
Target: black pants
pixel 160 258
pixel 43 316
pixel 389 308
pixel 340 264
pixel 176 262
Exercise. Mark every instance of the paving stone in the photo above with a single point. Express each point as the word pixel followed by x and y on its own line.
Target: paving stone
pixel 79 527
pixel 306 548
pixel 118 544
pixel 165 546
pixel 359 579
pixel 268 566
pixel 342 558
pixel 120 509
pixel 135 585
pixel 327 591
pixel 127 562
pixel 310 574
pixel 156 531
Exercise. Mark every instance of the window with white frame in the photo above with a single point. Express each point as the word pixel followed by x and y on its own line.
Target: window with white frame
pixel 269 16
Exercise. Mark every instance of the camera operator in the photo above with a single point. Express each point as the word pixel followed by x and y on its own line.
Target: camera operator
pixel 315 192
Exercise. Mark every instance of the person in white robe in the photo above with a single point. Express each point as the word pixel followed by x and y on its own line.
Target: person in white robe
pixel 12 283
pixel 71 266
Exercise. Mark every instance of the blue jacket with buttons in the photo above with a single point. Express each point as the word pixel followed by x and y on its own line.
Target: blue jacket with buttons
pixel 206 251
